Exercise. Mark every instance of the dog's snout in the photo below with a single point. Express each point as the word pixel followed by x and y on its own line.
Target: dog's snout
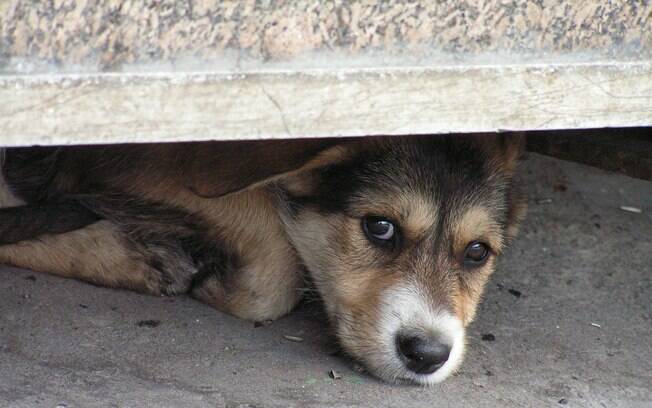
pixel 421 354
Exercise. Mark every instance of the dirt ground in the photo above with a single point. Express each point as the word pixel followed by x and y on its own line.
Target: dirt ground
pixel 566 321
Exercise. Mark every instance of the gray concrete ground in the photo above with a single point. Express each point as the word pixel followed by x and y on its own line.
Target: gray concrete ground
pixel 579 334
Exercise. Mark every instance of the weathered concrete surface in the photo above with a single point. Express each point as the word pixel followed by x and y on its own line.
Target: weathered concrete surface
pixel 148 107
pixel 109 33
pixel 579 260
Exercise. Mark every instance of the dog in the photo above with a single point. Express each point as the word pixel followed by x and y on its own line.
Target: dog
pixel 398 235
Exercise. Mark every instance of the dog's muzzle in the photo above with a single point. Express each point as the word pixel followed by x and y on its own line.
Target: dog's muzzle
pixel 424 344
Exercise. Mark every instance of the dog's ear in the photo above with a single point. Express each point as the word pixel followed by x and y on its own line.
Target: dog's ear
pixel 512 147
pixel 516 209
pixel 222 168
pixel 504 151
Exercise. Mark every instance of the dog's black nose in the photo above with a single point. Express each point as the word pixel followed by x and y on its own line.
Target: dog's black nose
pixel 422 355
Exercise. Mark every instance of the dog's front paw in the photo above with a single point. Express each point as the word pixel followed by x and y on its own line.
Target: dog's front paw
pixel 237 297
pixel 170 272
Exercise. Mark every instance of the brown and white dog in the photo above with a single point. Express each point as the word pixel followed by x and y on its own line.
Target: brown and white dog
pixel 398 235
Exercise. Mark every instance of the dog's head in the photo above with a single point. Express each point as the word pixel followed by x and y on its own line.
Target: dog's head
pixel 399 236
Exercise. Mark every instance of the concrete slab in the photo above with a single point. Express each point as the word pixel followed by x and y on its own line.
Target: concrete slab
pixel 142 107
pixel 569 310
pixel 127 71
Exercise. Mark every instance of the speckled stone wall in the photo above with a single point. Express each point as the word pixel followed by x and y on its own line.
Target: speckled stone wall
pixel 110 33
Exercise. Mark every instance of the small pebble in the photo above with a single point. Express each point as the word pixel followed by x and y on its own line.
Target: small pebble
pixel 515 292
pixel 488 337
pixel 334 375
pixel 560 188
pixel 83 306
pixel 627 208
pixel 31 278
pixel 148 323
pixel 263 323
pixel 563 401
pixel 596 325
pixel 295 339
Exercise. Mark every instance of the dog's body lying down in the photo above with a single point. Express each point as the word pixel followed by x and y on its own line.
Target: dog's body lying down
pixel 399 235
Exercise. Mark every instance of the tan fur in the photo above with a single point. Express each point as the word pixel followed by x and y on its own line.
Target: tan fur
pixel 477 224
pixel 516 215
pixel 351 293
pixel 266 286
pixel 95 254
pixel 413 212
pixel 470 292
pixel 360 310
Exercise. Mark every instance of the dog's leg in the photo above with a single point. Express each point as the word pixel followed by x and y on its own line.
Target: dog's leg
pixel 259 280
pixel 157 249
pixel 262 289
pixel 50 238
pixel 146 260
pixel 137 245
pixel 97 253
pixel 28 221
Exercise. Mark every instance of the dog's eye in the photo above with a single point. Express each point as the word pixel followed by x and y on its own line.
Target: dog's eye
pixel 379 230
pixel 476 254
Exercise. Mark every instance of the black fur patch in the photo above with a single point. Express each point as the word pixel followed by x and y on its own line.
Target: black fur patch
pixel 32 220
pixel 30 182
pixel 438 167
pixel 173 241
